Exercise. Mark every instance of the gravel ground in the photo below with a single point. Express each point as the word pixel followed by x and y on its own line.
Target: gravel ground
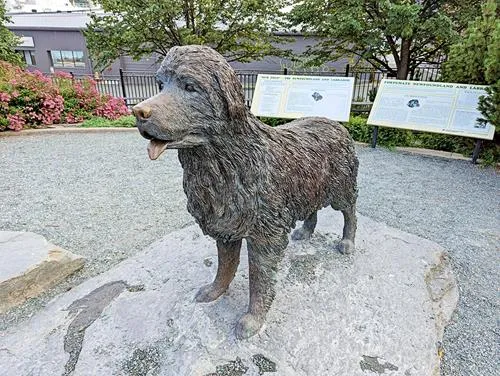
pixel 99 196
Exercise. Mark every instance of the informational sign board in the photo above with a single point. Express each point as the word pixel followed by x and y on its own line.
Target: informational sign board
pixel 431 107
pixel 299 96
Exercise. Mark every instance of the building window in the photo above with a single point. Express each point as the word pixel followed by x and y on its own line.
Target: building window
pixel 67 59
pixel 28 56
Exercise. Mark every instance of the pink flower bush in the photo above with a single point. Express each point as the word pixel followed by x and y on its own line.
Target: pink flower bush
pixel 82 96
pixel 4 97
pixel 71 118
pixel 16 122
pixel 112 108
pixel 32 99
pixel 61 74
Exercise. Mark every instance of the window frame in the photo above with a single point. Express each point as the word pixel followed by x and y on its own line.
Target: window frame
pixel 28 56
pixel 77 58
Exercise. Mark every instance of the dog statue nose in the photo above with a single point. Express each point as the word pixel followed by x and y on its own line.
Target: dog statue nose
pixel 141 112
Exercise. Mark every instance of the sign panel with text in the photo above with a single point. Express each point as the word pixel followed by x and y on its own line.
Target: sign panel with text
pixel 299 96
pixel 431 107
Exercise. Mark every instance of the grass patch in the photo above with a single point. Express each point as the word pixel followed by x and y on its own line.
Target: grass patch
pixel 97 122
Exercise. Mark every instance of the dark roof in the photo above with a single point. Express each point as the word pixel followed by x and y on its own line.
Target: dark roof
pixel 67 21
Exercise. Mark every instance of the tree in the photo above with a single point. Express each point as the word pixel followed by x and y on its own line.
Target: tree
pixel 410 32
pixel 241 30
pixel 8 40
pixel 476 60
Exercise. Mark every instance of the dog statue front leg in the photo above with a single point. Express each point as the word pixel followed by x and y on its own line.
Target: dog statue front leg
pixel 263 260
pixel 228 260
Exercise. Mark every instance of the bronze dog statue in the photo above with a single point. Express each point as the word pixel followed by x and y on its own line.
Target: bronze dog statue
pixel 244 179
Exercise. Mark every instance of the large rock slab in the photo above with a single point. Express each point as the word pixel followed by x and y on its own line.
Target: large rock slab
pixel 379 311
pixel 31 265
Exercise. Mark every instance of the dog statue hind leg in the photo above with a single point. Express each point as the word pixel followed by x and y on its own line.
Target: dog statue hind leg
pixel 350 222
pixel 307 228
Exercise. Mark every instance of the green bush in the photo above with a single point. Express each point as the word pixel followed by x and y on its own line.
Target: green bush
pixel 358 129
pixel 387 137
pixel 274 122
pixel 99 122
pixel 475 59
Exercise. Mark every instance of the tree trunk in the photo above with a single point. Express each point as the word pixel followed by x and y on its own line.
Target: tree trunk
pixel 185 10
pixel 404 61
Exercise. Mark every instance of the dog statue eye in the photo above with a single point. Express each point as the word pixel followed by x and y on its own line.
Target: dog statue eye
pixel 189 88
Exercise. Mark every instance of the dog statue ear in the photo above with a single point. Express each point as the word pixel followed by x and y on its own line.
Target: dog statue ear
pixel 231 92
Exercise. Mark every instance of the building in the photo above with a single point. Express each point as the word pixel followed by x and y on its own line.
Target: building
pixel 54 41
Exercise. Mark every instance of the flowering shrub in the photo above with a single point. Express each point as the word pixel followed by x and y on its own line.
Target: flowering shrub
pixel 83 100
pixel 31 99
pixel 111 108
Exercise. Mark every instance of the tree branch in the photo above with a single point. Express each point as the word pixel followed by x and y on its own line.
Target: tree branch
pixel 394 50
pixel 380 62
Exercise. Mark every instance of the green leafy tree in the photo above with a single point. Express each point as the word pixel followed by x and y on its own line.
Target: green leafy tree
pixel 388 33
pixel 241 30
pixel 8 40
pixel 476 60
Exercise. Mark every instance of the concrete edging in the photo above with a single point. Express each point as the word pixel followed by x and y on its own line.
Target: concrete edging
pixel 424 152
pixel 61 129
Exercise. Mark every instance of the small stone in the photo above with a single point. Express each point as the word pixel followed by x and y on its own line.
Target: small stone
pixel 233 368
pixel 135 288
pixel 373 364
pixel 264 364
pixel 208 262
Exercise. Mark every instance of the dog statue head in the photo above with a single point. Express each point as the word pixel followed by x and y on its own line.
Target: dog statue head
pixel 200 97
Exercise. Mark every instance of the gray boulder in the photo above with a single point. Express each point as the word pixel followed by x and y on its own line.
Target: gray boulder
pixel 381 310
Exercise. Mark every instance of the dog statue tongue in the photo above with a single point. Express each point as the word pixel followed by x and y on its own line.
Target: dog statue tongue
pixel 156 148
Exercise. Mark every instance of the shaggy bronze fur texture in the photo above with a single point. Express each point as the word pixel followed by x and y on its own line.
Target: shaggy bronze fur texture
pixel 244 179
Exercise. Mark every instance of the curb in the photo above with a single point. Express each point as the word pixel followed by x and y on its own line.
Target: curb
pixel 422 152
pixel 434 153
pixel 59 130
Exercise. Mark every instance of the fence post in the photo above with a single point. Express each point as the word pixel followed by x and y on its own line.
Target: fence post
pixel 285 71
pixel 477 149
pixel 122 82
pixel 347 70
pixel 374 136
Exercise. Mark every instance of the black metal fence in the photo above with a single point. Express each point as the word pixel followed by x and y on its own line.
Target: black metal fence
pixel 137 86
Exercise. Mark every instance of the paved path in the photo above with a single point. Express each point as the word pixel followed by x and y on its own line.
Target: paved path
pixel 99 196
